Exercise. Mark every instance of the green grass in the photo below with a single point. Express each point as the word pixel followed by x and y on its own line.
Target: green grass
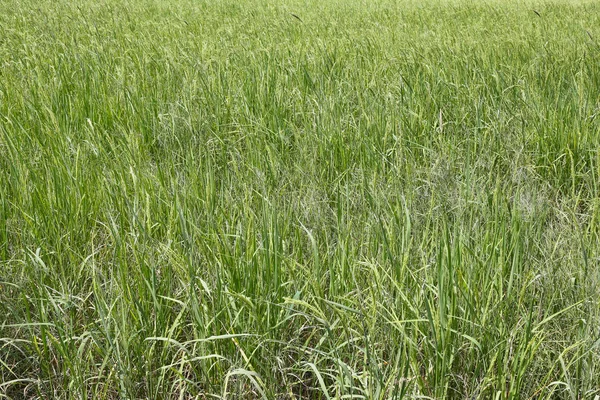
pixel 299 199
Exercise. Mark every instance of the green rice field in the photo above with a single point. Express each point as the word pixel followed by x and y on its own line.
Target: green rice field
pixel 300 199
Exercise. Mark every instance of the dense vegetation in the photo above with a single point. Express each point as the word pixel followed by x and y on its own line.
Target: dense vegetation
pixel 300 199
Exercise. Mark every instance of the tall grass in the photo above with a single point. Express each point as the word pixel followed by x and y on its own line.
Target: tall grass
pixel 299 199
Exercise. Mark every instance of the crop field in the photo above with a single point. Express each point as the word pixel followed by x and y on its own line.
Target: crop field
pixel 299 199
